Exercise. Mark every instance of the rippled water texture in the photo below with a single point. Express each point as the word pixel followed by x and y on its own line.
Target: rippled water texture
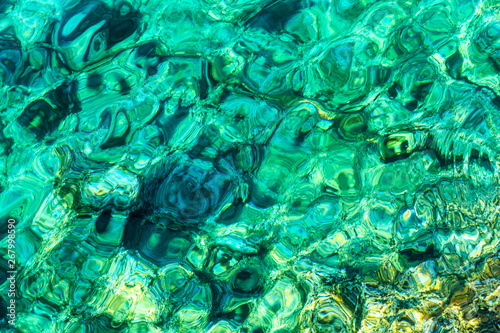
pixel 251 166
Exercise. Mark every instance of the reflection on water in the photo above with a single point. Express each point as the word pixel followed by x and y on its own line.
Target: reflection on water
pixel 251 166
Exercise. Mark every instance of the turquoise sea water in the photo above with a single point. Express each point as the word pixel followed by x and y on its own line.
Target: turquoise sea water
pixel 249 166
